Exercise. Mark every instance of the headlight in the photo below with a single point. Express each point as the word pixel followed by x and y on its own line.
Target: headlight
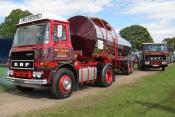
pixel 147 63
pixel 37 74
pixel 34 74
pixel 10 72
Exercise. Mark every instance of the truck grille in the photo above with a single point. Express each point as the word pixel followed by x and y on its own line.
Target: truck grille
pixel 155 57
pixel 22 60
pixel 26 55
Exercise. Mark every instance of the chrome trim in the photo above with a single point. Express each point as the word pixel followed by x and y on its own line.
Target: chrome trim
pixel 27 81
pixel 22 68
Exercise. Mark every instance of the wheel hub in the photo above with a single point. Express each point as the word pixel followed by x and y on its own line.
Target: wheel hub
pixel 65 84
pixel 109 76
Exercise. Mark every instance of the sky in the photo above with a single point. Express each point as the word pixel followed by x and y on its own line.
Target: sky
pixel 158 16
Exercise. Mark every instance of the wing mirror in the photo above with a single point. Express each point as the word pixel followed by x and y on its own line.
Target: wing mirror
pixel 59 31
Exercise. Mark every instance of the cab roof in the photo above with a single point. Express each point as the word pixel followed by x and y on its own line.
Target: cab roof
pixel 40 16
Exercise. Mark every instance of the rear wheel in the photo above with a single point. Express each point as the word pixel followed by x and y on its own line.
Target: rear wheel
pixel 128 68
pixel 132 67
pixel 24 89
pixel 63 83
pixel 105 75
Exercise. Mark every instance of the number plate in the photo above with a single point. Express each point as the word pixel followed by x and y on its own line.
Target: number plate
pixel 19 81
pixel 155 65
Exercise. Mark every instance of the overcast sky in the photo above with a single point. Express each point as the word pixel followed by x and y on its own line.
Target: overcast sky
pixel 158 16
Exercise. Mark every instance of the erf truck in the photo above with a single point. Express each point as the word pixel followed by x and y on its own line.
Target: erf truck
pixel 64 54
pixel 153 55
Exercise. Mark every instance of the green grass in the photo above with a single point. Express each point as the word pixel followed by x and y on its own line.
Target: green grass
pixel 4 86
pixel 3 71
pixel 152 96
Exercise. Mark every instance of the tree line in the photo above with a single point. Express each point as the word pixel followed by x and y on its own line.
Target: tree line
pixel 135 34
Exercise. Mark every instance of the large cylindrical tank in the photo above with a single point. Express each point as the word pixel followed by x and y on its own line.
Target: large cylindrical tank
pixel 86 31
pixel 124 47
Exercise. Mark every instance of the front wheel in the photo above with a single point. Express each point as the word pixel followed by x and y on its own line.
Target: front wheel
pixel 63 83
pixel 105 75
pixel 163 68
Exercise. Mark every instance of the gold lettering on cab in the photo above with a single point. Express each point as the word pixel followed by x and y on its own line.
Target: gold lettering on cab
pixel 61 52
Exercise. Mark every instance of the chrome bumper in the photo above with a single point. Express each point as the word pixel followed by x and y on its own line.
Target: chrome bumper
pixel 20 81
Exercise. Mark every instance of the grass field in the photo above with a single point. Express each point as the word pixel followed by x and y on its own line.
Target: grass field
pixel 4 86
pixel 152 96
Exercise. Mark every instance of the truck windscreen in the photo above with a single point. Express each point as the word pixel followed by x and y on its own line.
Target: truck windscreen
pixel 32 34
pixel 155 48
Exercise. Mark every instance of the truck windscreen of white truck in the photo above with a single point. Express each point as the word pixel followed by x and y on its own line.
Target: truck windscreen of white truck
pixel 155 48
pixel 32 34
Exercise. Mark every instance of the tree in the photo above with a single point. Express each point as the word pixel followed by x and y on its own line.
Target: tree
pixel 8 27
pixel 170 43
pixel 136 35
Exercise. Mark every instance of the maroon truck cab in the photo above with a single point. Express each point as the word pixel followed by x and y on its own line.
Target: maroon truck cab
pixel 51 51
pixel 153 55
pixel 64 54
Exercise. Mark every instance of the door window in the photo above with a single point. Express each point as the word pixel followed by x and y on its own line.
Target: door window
pixel 59 33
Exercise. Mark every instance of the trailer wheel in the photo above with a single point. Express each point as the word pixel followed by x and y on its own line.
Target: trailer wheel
pixel 63 83
pixel 132 67
pixel 24 89
pixel 105 75
pixel 163 68
pixel 127 69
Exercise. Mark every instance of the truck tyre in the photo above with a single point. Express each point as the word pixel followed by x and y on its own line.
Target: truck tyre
pixel 105 75
pixel 123 71
pixel 24 89
pixel 127 68
pixel 138 65
pixel 163 68
pixel 142 67
pixel 63 83
pixel 132 67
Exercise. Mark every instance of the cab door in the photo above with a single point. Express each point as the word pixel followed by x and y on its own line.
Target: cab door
pixel 62 44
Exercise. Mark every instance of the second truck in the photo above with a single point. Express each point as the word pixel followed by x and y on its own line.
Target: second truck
pixel 153 55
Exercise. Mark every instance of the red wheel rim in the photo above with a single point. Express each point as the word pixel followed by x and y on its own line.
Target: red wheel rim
pixel 109 76
pixel 65 84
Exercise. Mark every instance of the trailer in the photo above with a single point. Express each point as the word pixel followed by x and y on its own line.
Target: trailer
pixel 64 54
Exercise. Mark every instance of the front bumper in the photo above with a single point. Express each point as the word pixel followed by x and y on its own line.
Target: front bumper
pixel 27 82
pixel 156 66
